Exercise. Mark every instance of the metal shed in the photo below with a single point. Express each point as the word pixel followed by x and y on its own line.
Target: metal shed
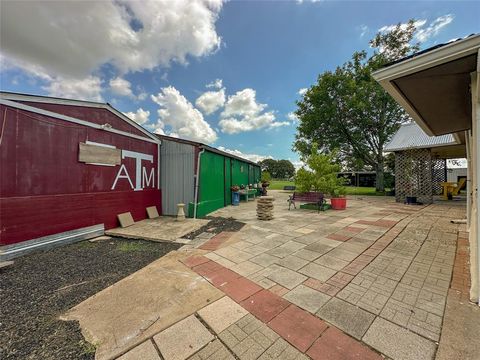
pixel 216 171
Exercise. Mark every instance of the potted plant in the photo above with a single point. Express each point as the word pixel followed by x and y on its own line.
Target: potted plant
pixel 321 175
pixel 338 199
pixel 235 195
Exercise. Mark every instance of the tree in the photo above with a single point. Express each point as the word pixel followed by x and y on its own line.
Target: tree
pixel 348 111
pixel 279 169
pixel 321 174
pixel 285 169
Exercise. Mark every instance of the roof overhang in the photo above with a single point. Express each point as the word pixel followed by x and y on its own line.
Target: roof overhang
pixel 434 86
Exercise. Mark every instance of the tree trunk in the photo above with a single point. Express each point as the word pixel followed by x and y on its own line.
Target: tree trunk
pixel 379 183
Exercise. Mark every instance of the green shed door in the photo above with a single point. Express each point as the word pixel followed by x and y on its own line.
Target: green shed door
pixel 228 180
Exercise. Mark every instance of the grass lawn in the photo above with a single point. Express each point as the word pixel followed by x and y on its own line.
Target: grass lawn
pixel 279 184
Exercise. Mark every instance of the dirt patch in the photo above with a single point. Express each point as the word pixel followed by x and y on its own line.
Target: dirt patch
pixel 216 226
pixel 41 286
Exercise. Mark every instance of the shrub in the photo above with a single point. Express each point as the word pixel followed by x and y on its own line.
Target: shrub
pixel 321 174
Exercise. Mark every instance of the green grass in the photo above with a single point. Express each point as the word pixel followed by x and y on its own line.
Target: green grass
pixel 131 246
pixel 351 190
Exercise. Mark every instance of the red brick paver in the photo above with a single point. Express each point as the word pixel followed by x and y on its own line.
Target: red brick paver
pixel 335 345
pixel 217 241
pixel 240 289
pixel 354 229
pixel 265 305
pixel 461 268
pixel 195 260
pixel 298 327
pixel 338 237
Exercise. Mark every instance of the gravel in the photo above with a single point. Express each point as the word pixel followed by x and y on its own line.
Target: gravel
pixel 216 226
pixel 39 287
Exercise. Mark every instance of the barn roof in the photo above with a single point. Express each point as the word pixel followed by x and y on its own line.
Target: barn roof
pixel 12 96
pixel 411 136
pixel 204 146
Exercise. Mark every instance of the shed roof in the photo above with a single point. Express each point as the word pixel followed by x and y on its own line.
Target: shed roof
pixel 204 146
pixel 411 136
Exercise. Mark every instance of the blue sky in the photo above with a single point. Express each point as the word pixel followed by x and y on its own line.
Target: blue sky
pixel 154 60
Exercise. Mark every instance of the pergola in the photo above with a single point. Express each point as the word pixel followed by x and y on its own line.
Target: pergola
pixel 421 162
pixel 440 89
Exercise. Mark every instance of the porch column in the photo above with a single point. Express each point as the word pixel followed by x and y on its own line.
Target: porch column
pixel 474 236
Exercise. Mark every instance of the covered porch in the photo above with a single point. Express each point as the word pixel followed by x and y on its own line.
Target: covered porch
pixel 439 88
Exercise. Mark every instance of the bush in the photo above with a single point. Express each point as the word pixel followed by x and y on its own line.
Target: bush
pixel 266 177
pixel 322 175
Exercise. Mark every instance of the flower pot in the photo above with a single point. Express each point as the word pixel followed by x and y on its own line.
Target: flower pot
pixel 235 198
pixel 339 203
pixel 409 200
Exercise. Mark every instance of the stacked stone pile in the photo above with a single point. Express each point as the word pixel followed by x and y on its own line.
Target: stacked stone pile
pixel 265 208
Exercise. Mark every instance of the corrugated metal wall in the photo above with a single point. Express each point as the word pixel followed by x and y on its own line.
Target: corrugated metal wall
pixel 177 175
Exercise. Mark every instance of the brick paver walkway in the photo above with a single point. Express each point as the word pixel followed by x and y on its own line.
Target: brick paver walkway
pixel 352 284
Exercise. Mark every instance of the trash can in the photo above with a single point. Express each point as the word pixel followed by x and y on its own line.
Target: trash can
pixel 235 198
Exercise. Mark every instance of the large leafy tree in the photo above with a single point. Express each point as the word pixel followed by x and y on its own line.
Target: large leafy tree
pixel 348 111
pixel 278 169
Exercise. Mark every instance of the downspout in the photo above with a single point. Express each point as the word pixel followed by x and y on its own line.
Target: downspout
pixel 469 179
pixel 197 176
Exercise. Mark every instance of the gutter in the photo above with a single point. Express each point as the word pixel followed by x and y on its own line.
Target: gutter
pixel 197 175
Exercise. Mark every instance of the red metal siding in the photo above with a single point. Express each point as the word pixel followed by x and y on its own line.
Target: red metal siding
pixel 95 115
pixel 45 190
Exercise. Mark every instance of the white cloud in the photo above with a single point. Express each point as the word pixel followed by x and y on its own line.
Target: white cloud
pixel 140 116
pixel 75 38
pixel 292 116
pixel 122 87
pixel 211 101
pixel 363 30
pixel 302 91
pixel 424 31
pixel 423 34
pixel 86 89
pixel 65 43
pixel 216 84
pixel 243 113
pixel 297 164
pixel 251 157
pixel 179 114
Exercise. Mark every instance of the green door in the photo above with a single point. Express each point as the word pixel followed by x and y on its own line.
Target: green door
pixel 228 180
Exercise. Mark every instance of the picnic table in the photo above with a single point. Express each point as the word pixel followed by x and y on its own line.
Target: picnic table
pixel 248 194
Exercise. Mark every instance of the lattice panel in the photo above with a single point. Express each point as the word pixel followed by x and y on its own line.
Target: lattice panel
pixel 413 175
pixel 439 174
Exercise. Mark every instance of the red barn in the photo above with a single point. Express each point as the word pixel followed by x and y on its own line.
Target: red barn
pixel 68 168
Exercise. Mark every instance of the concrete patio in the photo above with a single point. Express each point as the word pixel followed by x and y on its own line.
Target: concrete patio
pixel 369 281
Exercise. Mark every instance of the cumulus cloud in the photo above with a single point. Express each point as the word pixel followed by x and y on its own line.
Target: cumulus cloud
pixel 122 87
pixel 76 38
pixel 242 113
pixel 70 41
pixel 88 88
pixel 181 116
pixel 211 101
pixel 140 116
pixel 251 157
pixel 302 91
pixel 424 31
